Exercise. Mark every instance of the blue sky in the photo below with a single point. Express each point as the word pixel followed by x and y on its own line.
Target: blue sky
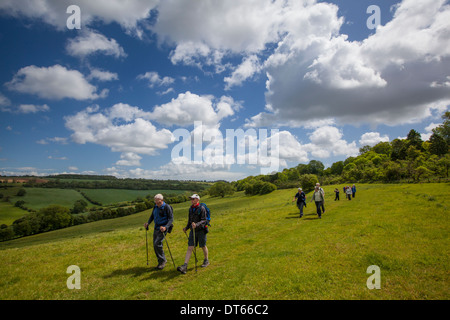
pixel 111 97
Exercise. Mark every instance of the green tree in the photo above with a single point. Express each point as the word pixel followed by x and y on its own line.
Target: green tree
pixel 399 147
pixel 422 172
pixel 316 167
pixel 54 217
pixel 444 129
pixel 383 148
pixel 221 189
pixel 267 187
pixel 79 206
pixel 414 139
pixel 6 233
pixel 337 167
pixel 364 149
pixel 438 146
pixel 308 182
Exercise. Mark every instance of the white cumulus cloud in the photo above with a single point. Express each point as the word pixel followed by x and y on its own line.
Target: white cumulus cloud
pixel 55 82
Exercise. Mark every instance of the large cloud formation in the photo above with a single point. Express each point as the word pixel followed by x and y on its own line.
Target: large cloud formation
pixel 397 75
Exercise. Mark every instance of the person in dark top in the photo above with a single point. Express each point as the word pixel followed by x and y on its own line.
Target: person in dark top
pixel 301 200
pixel 162 215
pixel 197 222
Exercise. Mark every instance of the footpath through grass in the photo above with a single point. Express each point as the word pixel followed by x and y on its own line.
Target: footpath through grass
pixel 259 249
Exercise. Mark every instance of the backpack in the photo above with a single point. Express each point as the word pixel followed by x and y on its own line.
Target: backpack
pixel 208 214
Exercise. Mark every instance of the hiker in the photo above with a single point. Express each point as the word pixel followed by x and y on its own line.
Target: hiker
pixel 348 191
pixel 323 194
pixel 336 191
pixel 353 191
pixel 301 200
pixel 319 199
pixel 162 215
pixel 197 223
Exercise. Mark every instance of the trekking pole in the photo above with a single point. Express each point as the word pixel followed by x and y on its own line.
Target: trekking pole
pixel 146 243
pixel 195 252
pixel 169 250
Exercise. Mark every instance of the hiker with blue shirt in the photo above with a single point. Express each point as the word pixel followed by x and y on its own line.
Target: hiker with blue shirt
pixel 162 215
pixel 353 191
pixel 301 200
pixel 197 223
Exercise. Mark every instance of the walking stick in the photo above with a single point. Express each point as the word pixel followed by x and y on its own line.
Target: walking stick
pixel 169 250
pixel 195 252
pixel 146 243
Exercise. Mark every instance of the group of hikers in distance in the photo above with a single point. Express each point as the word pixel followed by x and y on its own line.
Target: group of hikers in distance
pixel 198 223
pixel 318 197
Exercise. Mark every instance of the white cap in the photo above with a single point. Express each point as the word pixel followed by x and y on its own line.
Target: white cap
pixel 300 189
pixel 195 196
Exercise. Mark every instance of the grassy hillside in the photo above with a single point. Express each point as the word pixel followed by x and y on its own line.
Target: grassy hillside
pixel 259 249
pixel 38 198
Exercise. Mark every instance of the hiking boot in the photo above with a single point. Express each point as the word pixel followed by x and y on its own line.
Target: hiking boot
pixel 161 266
pixel 205 263
pixel 182 268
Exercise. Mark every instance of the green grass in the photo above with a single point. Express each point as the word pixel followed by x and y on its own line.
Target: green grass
pixel 38 198
pixel 259 249
pixel 9 213
pixel 35 198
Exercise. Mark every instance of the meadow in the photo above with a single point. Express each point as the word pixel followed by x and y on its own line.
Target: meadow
pixel 259 249
pixel 110 196
pixel 38 198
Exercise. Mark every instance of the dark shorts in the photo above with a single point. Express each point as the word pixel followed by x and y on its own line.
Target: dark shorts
pixel 200 238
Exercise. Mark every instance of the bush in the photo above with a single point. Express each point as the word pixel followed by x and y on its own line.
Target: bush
pixel 267 187
pixel 221 189
pixel 308 182
pixel 54 217
pixel 257 186
pixel 6 233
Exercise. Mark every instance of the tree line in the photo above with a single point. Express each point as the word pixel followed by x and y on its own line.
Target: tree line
pixel 64 182
pixel 55 217
pixel 401 160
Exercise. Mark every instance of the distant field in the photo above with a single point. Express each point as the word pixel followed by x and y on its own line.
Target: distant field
pixel 109 196
pixel 37 198
pixel 9 213
pixel 259 249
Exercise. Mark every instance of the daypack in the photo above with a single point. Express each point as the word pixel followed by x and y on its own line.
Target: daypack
pixel 208 214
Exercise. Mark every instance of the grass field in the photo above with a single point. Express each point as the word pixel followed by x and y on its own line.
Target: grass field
pixel 37 198
pixel 259 249
pixel 109 196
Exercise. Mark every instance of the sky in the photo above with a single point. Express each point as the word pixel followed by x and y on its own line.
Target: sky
pixel 209 90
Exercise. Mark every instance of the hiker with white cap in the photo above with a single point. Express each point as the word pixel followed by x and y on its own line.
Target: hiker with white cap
pixel 301 200
pixel 197 222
